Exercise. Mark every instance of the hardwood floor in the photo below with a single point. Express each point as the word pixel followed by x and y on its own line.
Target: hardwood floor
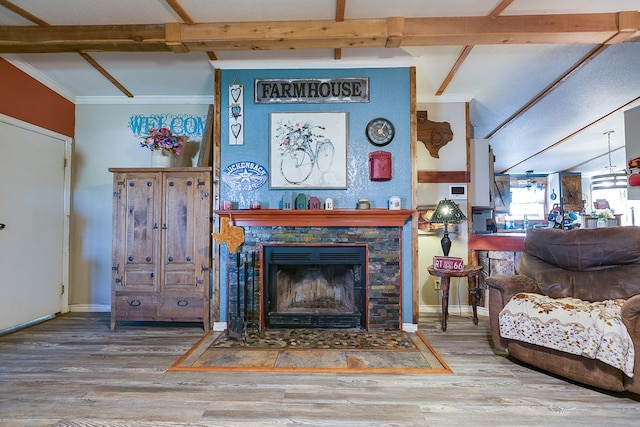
pixel 73 371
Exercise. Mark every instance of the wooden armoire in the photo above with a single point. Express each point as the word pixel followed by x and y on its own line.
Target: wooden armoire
pixel 161 245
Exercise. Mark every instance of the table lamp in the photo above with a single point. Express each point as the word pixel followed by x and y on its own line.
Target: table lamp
pixel 447 212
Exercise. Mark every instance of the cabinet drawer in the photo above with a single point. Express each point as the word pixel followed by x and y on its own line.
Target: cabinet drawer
pixel 181 307
pixel 135 306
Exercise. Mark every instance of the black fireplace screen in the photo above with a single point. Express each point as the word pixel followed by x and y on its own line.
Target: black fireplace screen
pixel 315 286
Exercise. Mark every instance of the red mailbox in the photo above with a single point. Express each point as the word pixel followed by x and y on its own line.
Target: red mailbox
pixel 380 166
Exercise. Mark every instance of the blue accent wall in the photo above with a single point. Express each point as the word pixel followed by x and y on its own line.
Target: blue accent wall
pixel 389 97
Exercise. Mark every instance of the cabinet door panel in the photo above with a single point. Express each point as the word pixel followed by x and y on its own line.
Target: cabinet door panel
pixel 140 247
pixel 177 279
pixel 139 279
pixel 178 221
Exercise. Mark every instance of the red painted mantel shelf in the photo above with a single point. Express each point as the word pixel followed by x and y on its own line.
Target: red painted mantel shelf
pixel 318 218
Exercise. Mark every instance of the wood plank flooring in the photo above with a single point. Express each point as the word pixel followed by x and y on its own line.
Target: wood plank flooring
pixel 73 371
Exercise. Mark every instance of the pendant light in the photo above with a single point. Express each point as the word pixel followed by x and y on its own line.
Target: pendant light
pixel 610 179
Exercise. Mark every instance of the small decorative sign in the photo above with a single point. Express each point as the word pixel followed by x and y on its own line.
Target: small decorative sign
pixel 236 113
pixel 245 175
pixel 448 263
pixel 309 91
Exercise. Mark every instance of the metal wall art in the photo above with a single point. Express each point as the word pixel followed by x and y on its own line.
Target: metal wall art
pixel 236 113
pixel 308 150
pixel 245 176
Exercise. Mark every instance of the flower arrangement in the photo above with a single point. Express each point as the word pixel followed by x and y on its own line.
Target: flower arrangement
pixel 295 136
pixel 603 213
pixel 162 139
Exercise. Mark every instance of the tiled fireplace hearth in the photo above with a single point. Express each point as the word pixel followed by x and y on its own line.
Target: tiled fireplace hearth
pixel 377 230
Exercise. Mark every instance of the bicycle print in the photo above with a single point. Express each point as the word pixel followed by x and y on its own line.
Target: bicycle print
pixel 308 150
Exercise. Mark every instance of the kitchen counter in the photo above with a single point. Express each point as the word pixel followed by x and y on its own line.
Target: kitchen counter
pixel 512 241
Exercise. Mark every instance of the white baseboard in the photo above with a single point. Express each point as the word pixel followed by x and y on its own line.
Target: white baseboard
pixel 90 308
pixel 219 326
pixel 409 327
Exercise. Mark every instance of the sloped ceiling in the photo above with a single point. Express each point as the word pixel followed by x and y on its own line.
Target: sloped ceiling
pixel 544 106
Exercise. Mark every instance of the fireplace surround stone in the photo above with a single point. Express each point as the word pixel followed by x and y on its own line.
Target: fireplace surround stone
pixel 383 242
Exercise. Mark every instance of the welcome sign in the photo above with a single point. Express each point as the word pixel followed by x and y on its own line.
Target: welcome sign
pixel 180 124
pixel 291 91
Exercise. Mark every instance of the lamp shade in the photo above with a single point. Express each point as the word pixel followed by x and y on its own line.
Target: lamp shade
pixel 449 212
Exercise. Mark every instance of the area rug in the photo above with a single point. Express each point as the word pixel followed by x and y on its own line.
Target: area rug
pixel 314 350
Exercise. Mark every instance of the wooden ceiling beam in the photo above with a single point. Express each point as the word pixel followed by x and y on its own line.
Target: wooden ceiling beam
pixel 326 34
pixel 75 38
pixel 341 6
pixel 25 14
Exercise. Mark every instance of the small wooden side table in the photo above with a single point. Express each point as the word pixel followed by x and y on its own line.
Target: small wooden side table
pixel 470 272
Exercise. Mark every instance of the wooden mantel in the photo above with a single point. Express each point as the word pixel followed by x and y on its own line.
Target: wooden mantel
pixel 318 218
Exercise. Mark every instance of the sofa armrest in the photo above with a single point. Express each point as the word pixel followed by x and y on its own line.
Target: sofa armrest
pixel 501 289
pixel 631 318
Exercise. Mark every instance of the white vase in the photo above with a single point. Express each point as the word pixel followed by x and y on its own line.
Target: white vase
pixel 162 159
pixel 602 223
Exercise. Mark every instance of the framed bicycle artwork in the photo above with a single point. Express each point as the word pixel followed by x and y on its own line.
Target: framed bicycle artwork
pixel 308 150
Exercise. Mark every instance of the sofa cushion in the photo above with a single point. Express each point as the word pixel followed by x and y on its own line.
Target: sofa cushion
pixel 622 281
pixel 585 249
pixel 593 330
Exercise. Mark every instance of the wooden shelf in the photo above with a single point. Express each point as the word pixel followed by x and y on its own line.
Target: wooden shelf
pixel 318 218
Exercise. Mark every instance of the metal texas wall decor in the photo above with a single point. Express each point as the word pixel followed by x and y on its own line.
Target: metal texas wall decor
pixel 434 135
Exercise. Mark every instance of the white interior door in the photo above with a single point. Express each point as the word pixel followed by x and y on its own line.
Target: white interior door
pixel 33 210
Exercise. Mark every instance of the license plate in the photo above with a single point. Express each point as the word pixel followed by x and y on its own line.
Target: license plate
pixel 448 263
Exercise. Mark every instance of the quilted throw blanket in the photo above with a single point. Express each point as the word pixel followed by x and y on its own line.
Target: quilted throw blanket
pixel 591 329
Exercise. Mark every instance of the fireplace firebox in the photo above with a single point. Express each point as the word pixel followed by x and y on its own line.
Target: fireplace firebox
pixel 315 286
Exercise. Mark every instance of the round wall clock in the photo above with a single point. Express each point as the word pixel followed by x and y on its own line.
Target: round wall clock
pixel 380 131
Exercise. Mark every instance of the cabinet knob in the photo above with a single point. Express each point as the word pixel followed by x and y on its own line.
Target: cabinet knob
pixel 170 259
pixel 134 303
pixel 182 303
pixel 130 259
pixel 188 259
pixel 148 259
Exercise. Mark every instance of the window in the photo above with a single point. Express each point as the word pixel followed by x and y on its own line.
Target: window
pixel 528 198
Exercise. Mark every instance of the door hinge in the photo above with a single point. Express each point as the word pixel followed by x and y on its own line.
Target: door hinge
pixel 62 289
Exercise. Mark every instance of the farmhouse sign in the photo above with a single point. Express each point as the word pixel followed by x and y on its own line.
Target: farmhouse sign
pixel 301 91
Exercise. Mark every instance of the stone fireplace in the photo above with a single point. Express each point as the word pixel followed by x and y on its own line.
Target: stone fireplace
pixel 364 291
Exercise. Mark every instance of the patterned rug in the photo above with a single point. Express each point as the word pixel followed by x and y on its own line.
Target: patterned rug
pixel 314 350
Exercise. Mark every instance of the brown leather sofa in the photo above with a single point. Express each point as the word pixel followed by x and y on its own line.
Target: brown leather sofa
pixel 589 264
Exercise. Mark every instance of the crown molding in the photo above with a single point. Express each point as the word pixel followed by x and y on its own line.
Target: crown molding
pixel 145 99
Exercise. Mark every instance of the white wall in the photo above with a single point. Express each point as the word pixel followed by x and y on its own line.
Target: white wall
pixel 103 140
pixel 452 158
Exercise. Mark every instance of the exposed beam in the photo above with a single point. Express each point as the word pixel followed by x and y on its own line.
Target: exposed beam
pixel 463 56
pixel 26 15
pixel 595 28
pixel 85 56
pixel 341 5
pixel 571 135
pixel 106 38
pixel 546 91
pixel 105 73
pixel 500 8
pixel 182 13
pixel 467 49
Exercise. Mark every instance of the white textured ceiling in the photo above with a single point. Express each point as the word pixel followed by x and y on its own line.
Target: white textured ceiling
pixel 496 80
